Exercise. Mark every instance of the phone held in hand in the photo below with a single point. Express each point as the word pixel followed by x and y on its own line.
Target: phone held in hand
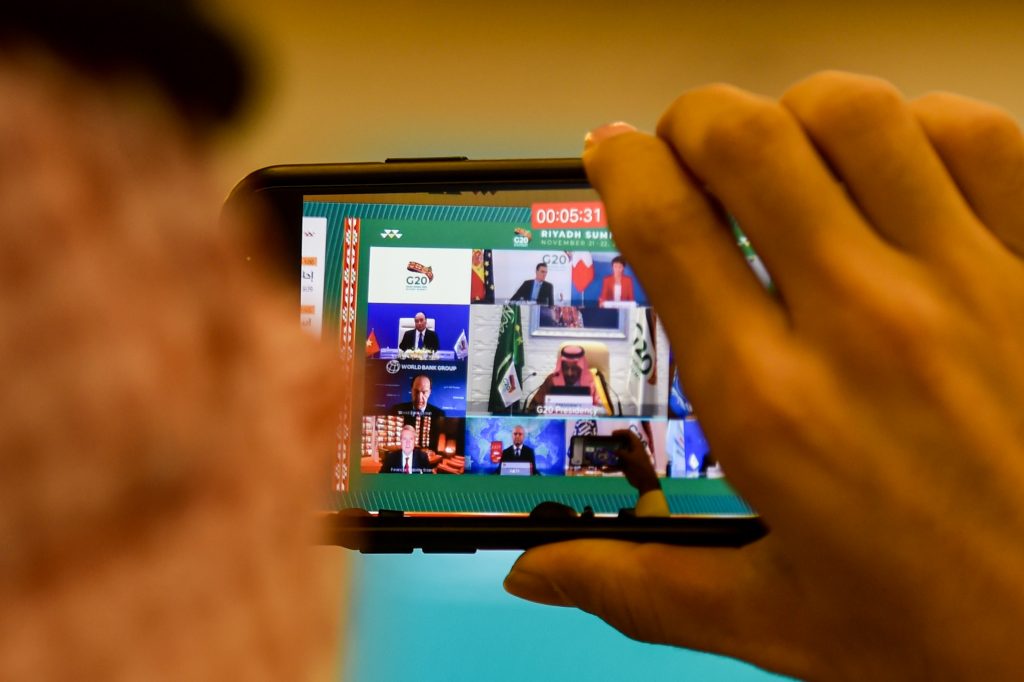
pixel 494 338
pixel 597 454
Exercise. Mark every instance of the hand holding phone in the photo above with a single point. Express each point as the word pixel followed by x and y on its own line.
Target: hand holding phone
pixel 839 407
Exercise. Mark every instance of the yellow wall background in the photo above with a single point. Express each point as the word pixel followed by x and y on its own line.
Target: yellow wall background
pixel 360 81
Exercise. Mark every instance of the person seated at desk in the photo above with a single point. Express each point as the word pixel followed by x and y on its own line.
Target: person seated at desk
pixel 570 373
pixel 420 405
pixel 408 459
pixel 518 452
pixel 420 337
pixel 536 290
pixel 616 286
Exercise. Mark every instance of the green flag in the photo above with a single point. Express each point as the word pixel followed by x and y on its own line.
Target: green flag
pixel 506 386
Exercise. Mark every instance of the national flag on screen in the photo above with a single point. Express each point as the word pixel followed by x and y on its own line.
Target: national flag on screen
pixel 678 404
pixel 696 446
pixel 642 381
pixel 582 270
pixel 506 387
pixel 462 346
pixel 372 347
pixel 481 289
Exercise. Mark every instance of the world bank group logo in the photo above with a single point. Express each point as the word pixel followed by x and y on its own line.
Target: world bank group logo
pixel 521 237
pixel 391 234
pixel 420 276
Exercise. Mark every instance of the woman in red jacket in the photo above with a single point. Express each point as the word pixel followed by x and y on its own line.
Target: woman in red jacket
pixel 616 286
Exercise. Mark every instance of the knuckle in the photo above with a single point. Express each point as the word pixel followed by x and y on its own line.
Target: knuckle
pixel 723 125
pixel 745 136
pixel 980 130
pixel 745 132
pixel 844 104
pixel 678 114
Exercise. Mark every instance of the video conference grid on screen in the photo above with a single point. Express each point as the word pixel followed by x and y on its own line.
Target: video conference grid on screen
pixel 489 361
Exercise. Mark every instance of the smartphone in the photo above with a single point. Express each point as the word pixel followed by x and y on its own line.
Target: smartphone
pixel 493 337
pixel 595 454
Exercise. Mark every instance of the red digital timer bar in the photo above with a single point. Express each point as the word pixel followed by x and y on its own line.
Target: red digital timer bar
pixel 573 214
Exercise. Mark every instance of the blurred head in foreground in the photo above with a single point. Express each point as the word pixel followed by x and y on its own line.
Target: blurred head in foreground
pixel 158 408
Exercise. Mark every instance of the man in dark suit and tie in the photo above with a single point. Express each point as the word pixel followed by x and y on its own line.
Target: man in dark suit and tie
pixel 420 337
pixel 518 451
pixel 536 290
pixel 408 459
pixel 419 413
pixel 420 405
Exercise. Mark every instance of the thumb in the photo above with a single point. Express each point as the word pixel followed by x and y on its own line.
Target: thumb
pixel 702 598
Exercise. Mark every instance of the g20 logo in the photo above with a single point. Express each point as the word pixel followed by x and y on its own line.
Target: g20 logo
pixel 521 237
pixel 555 259
pixel 421 277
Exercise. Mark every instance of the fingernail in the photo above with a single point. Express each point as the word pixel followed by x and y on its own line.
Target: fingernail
pixel 535 588
pixel 608 130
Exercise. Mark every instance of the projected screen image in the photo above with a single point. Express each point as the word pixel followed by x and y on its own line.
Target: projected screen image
pixel 479 343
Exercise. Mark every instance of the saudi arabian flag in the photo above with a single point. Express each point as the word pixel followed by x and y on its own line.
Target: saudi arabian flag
pixel 506 388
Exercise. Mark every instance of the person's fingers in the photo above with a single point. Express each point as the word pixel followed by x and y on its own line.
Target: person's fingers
pixel 633 442
pixel 866 131
pixel 702 598
pixel 982 147
pixel 752 155
pixel 692 265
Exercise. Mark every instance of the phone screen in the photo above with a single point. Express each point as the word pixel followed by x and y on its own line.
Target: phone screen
pixel 592 454
pixel 481 333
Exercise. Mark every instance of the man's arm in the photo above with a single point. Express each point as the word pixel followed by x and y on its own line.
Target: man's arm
pixel 541 394
pixel 431 341
pixel 407 340
pixel 523 292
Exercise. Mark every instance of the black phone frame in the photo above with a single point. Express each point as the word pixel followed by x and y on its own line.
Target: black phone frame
pixel 276 193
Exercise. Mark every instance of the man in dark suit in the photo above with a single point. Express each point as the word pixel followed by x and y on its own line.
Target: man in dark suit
pixel 518 451
pixel 420 405
pixel 536 290
pixel 419 413
pixel 408 459
pixel 420 336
